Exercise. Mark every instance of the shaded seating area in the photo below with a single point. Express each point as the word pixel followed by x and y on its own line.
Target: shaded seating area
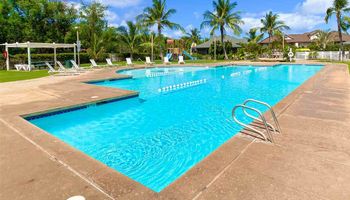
pixel 32 45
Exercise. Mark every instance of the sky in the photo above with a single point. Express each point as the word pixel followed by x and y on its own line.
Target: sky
pixel 301 15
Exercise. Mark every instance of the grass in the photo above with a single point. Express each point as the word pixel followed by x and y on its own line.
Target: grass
pixel 8 76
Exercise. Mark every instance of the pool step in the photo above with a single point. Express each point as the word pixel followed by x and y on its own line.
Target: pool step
pixel 265 128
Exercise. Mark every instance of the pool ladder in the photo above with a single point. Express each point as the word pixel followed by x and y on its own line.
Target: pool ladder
pixel 268 127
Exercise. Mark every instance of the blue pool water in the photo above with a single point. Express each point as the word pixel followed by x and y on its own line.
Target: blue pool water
pixel 158 136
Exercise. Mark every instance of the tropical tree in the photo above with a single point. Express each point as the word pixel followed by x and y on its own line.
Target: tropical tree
pixel 323 39
pixel 223 16
pixel 194 35
pixel 271 24
pixel 92 26
pixel 338 9
pixel 44 20
pixel 158 15
pixel 130 36
pixel 253 36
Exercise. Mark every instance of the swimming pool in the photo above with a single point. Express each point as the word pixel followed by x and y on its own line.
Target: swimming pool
pixel 176 121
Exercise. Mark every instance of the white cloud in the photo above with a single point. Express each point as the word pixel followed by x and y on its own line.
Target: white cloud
pixel 250 22
pixel 197 15
pixel 121 3
pixel 314 6
pixel 75 5
pixel 111 16
pixel 299 22
pixel 308 15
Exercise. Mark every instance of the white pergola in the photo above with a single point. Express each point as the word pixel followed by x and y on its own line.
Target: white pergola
pixel 33 45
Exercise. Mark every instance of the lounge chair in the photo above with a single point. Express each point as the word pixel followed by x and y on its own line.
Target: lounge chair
pixel 62 72
pixel 181 60
pixel 76 67
pixel 109 62
pixel 148 61
pixel 129 62
pixel 166 61
pixel 62 68
pixel 94 64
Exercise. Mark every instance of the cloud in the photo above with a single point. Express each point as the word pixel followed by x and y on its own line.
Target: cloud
pixel 314 6
pixel 120 3
pixel 307 15
pixel 111 16
pixel 251 22
pixel 299 22
pixel 197 15
pixel 75 5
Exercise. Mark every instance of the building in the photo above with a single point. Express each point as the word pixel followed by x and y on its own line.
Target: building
pixel 204 47
pixel 305 39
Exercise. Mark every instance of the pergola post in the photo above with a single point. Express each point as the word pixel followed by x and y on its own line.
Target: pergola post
pixel 29 58
pixel 54 54
pixel 7 57
pixel 75 53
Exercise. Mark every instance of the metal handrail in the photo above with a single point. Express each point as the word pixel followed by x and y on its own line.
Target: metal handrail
pixel 270 109
pixel 269 138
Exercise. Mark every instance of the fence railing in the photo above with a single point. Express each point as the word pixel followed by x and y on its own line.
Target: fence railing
pixel 324 55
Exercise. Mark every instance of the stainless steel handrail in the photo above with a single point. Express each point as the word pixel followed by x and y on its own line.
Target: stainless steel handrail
pixel 269 138
pixel 270 109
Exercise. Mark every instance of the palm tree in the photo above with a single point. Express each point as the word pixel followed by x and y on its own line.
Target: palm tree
pixel 130 36
pixel 223 16
pixel 323 38
pixel 194 35
pixel 253 37
pixel 158 16
pixel 271 25
pixel 339 8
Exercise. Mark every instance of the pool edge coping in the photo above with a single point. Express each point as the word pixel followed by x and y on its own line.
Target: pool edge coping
pixel 293 94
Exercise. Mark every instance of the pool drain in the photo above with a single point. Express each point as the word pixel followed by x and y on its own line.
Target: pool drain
pixel 76 198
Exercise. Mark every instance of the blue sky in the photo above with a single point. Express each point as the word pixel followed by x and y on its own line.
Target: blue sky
pixel 300 15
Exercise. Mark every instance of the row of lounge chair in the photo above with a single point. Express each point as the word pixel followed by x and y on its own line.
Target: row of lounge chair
pixel 76 70
pixel 149 62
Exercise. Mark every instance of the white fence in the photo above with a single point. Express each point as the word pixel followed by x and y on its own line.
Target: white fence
pixel 326 55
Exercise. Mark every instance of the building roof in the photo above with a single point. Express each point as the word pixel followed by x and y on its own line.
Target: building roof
pixel 235 41
pixel 306 37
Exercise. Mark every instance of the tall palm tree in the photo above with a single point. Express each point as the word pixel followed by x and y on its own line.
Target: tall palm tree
pixel 253 36
pixel 158 16
pixel 323 38
pixel 130 36
pixel 339 8
pixel 224 16
pixel 194 35
pixel 271 24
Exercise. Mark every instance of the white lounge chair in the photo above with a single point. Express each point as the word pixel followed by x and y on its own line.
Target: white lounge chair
pixel 109 62
pixel 166 61
pixel 62 68
pixel 95 65
pixel 129 62
pixel 60 71
pixel 76 67
pixel 148 61
pixel 181 60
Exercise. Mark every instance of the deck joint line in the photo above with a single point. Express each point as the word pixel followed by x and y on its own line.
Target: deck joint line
pixel 54 158
pixel 223 171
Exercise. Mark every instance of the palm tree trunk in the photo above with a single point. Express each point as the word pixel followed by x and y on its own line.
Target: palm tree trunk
pixel 340 38
pixel 223 43
pixel 160 45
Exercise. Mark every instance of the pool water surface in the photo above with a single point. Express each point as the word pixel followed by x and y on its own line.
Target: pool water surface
pixel 177 120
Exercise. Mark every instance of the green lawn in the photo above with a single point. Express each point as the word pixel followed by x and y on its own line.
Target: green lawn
pixel 7 76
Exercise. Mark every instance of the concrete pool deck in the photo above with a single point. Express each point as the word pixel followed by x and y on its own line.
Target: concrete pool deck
pixel 310 160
